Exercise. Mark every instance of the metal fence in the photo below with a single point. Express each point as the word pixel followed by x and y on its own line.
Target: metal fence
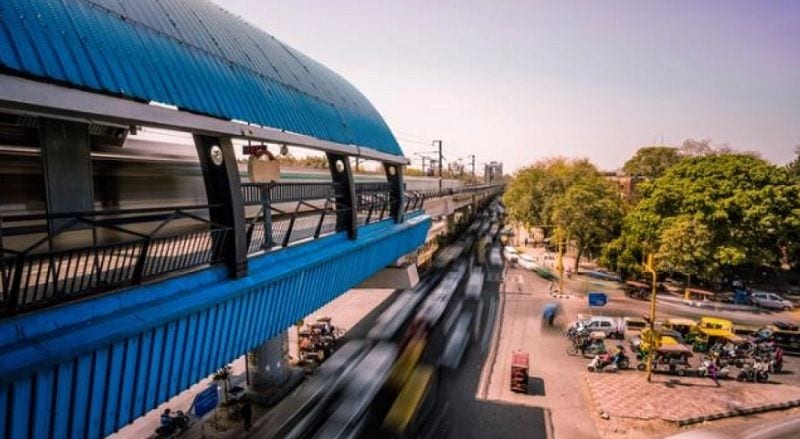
pixel 46 259
pixel 373 202
pixel 288 213
pixel 92 252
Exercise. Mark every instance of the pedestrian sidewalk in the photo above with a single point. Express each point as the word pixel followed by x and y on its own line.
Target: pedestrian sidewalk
pixel 684 400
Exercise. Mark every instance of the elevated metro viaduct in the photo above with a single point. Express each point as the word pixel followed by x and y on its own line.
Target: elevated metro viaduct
pixel 108 311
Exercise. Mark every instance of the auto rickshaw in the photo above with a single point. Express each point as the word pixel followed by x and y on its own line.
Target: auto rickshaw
pixel 637 290
pixel 671 358
pixel 710 331
pixel 642 344
pixel 682 326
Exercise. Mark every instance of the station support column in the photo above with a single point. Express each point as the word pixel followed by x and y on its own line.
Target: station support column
pixel 67 169
pixel 342 176
pixel 224 194
pixel 267 367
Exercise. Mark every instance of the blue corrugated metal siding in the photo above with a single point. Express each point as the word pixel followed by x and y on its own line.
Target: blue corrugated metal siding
pixel 188 53
pixel 88 368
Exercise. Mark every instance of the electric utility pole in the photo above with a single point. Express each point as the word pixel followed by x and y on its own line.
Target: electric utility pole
pixel 473 167
pixel 440 161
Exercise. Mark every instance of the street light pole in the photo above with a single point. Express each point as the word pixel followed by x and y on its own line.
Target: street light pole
pixel 655 339
pixel 440 161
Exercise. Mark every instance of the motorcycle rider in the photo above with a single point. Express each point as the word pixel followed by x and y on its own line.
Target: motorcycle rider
pixel 166 419
pixel 619 355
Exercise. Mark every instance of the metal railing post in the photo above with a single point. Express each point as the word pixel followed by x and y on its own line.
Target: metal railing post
pixel 394 175
pixel 342 175
pixel 224 193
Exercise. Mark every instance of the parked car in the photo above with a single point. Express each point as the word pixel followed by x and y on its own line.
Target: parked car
pixel 527 262
pixel 510 253
pixel 613 327
pixel 770 300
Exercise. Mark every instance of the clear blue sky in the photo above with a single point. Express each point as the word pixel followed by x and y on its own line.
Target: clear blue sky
pixel 521 80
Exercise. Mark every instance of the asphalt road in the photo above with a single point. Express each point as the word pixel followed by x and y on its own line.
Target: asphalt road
pixel 460 410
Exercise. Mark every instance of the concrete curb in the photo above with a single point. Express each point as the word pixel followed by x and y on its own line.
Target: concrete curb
pixel 740 412
pixel 701 305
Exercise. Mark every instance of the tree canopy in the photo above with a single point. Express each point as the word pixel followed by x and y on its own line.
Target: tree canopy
pixel 652 161
pixel 710 213
pixel 568 196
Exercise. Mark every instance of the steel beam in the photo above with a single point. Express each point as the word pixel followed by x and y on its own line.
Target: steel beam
pixel 224 194
pixel 394 175
pixel 67 168
pixel 26 96
pixel 346 208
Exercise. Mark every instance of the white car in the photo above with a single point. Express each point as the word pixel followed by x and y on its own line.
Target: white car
pixel 770 300
pixel 527 261
pixel 511 254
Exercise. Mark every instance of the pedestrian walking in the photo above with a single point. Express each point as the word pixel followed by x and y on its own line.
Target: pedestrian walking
pixel 247 414
pixel 550 286
pixel 712 370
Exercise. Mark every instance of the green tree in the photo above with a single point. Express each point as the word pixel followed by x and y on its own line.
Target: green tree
pixel 742 211
pixel 532 194
pixel 589 214
pixel 793 167
pixel 652 161
pixel 570 198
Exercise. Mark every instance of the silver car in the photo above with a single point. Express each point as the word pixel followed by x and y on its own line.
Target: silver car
pixel 771 300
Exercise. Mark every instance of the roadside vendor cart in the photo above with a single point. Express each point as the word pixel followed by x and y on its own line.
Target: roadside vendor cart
pixel 519 372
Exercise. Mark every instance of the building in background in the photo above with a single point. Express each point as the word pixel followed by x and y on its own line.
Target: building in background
pixel 493 172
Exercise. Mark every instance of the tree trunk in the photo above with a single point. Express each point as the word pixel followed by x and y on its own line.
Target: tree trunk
pixel 578 259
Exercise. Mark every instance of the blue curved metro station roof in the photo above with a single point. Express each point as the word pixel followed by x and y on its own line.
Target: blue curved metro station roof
pixel 191 54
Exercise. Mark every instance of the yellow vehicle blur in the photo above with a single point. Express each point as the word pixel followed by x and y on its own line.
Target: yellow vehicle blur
pixel 709 331
pixel 409 407
pixel 405 364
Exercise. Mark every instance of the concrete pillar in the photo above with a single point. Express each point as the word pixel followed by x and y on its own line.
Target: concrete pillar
pixel 267 367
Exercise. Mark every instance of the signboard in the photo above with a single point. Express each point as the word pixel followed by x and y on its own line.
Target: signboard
pixel 206 401
pixel 254 149
pixel 598 299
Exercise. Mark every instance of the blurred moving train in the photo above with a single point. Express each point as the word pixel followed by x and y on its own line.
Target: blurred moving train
pixel 153 168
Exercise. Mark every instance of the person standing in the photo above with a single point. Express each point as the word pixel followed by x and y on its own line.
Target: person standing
pixel 247 414
pixel 712 369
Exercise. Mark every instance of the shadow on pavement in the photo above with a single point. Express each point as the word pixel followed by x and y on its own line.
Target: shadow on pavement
pixel 536 386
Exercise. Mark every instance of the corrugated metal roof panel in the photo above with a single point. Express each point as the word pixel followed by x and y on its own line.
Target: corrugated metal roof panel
pixel 191 54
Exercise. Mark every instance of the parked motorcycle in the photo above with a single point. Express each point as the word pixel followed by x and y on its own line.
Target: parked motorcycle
pixel 179 424
pixel 722 371
pixel 609 363
pixel 756 371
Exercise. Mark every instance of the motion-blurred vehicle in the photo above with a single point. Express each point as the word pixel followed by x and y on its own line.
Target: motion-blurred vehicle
pixel 410 407
pixel 511 254
pixel 764 299
pixel 527 262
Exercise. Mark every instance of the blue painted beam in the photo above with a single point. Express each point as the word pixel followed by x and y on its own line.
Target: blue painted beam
pixel 102 362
